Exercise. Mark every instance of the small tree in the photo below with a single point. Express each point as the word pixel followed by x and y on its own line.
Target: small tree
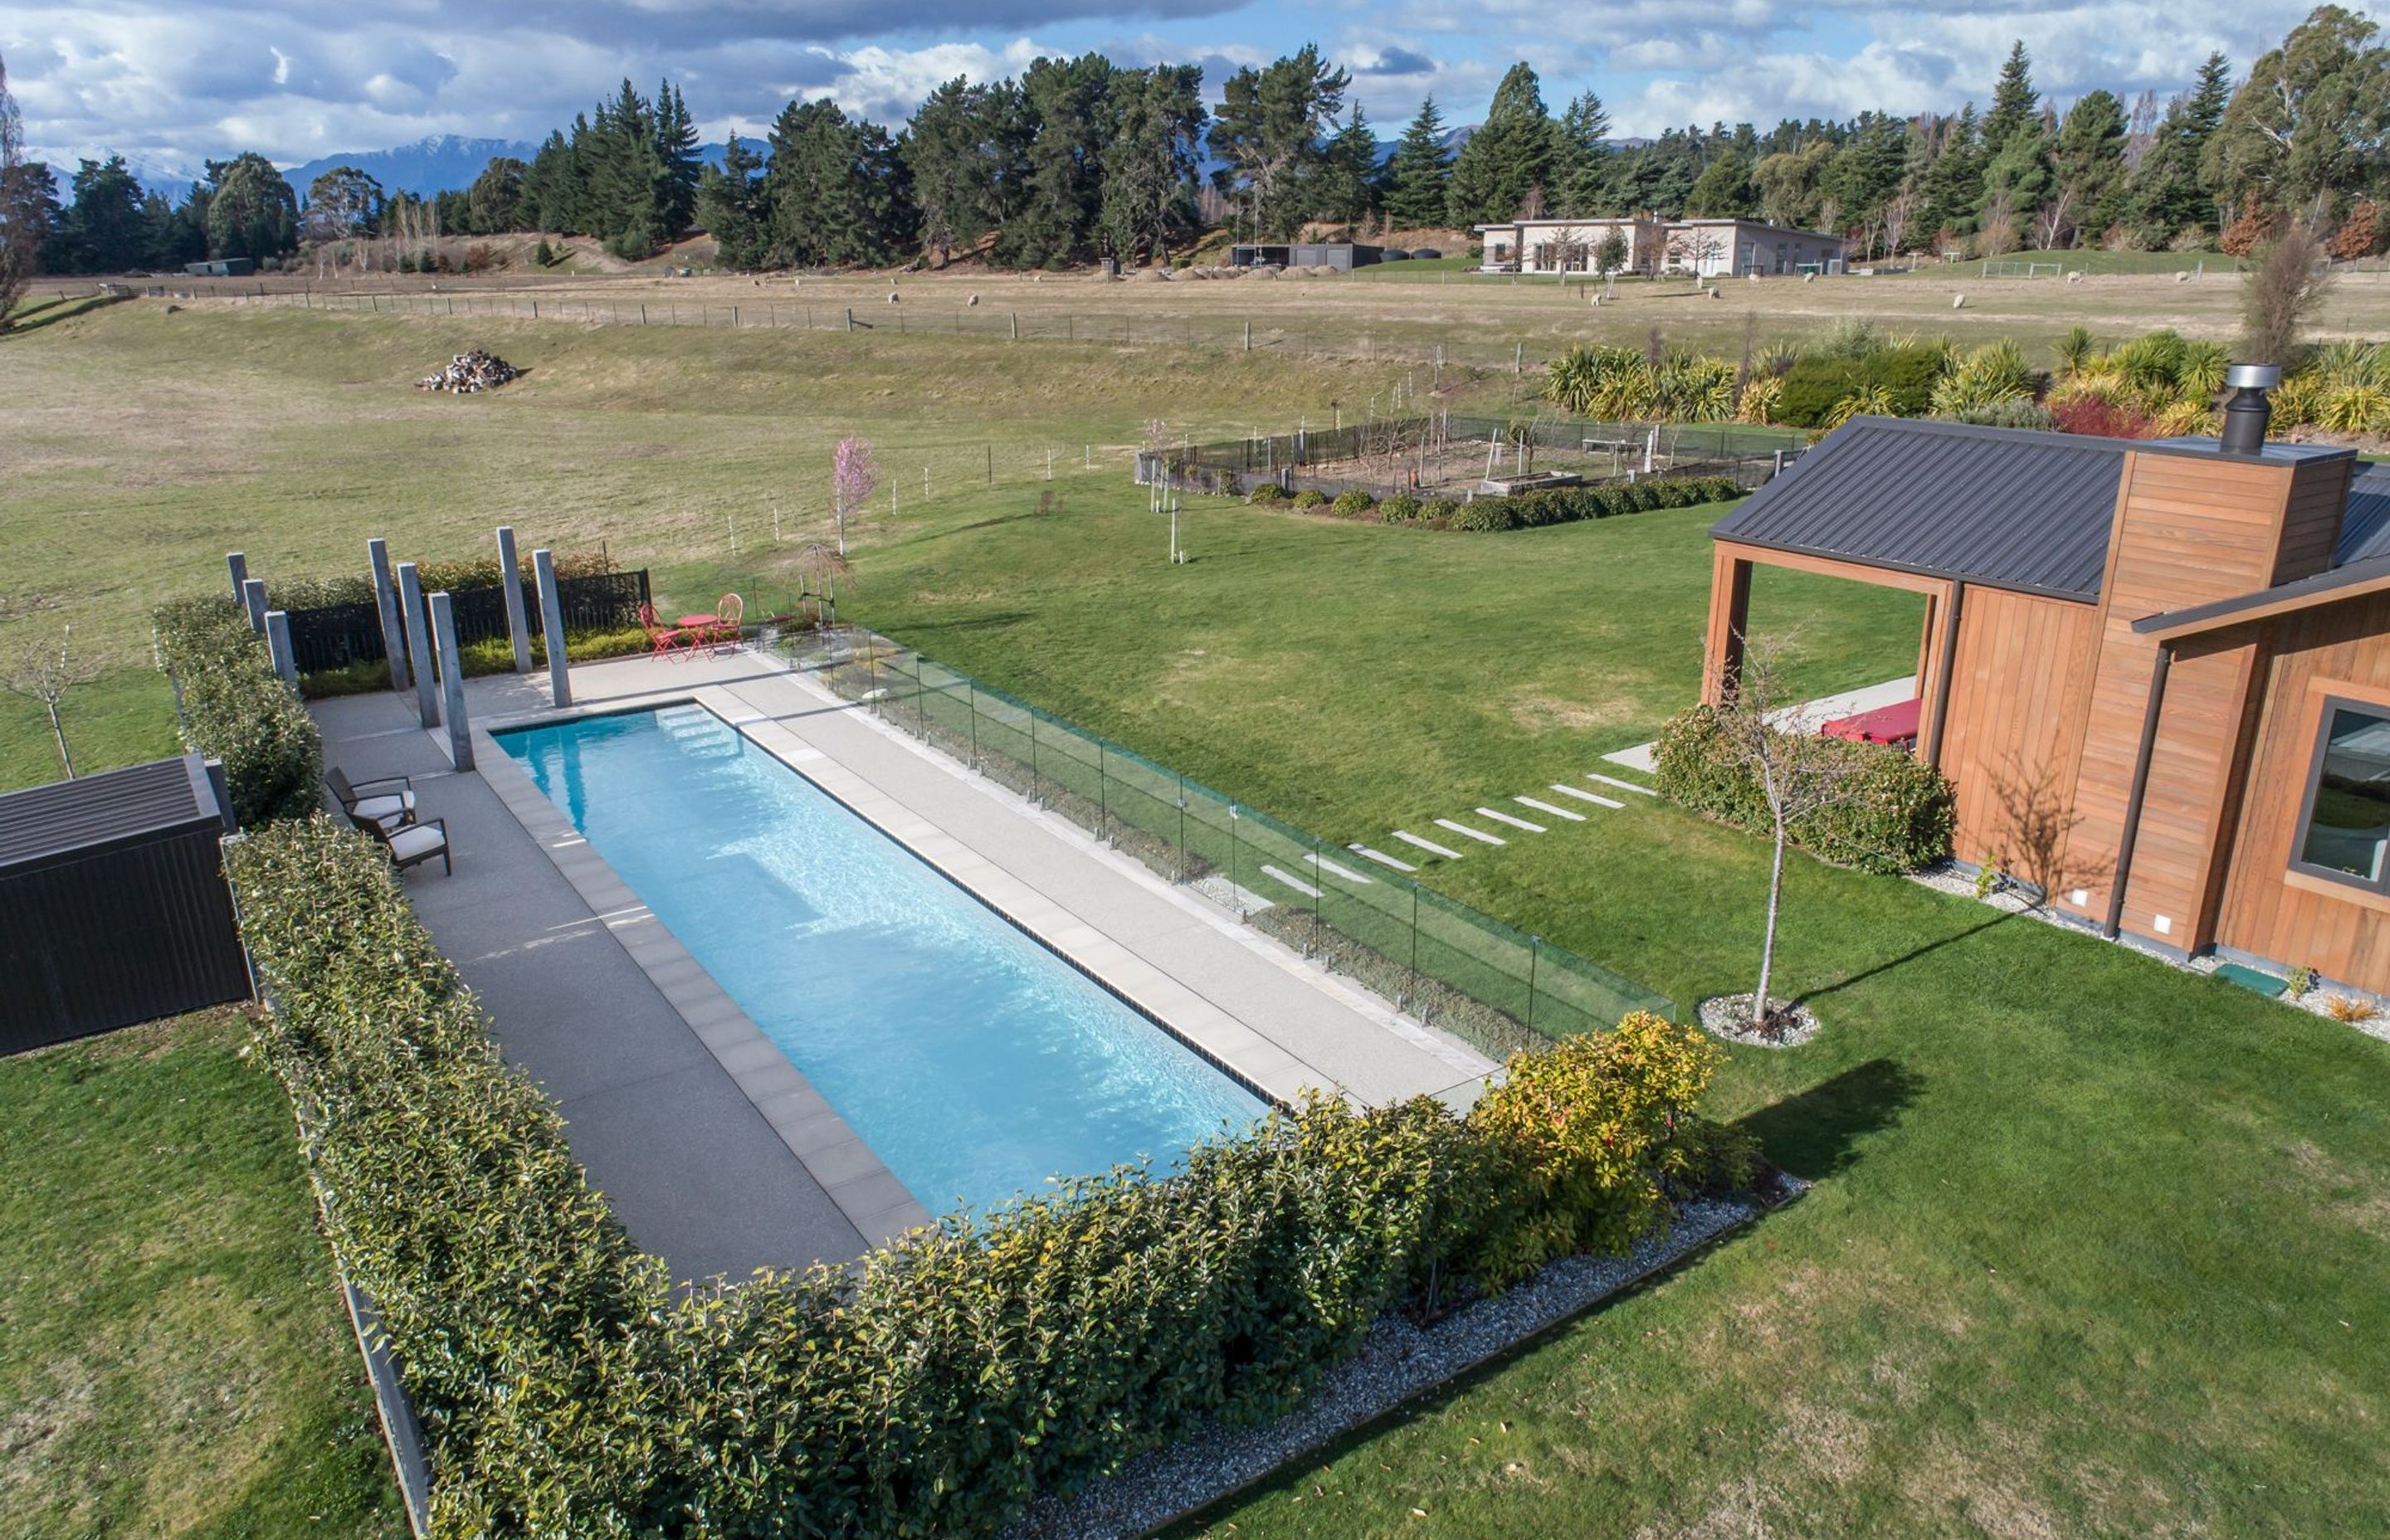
pixel 1610 258
pixel 24 205
pixel 44 677
pixel 853 474
pixel 2280 294
pixel 1800 772
pixel 818 570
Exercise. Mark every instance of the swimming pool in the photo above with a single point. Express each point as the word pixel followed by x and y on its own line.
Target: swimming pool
pixel 973 1062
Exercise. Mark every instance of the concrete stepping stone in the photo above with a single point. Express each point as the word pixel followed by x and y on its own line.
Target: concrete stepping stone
pixel 1298 884
pixel 1547 807
pixel 1623 786
pixel 1429 845
pixel 1473 833
pixel 1381 858
pixel 1501 817
pixel 1582 794
pixel 1347 873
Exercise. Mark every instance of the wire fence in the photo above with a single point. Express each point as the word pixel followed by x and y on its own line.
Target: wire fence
pixel 1444 451
pixel 1488 984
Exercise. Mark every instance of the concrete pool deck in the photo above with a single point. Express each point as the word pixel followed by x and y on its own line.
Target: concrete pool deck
pixel 714 1151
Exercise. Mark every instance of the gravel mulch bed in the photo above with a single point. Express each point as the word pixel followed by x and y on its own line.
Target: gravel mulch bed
pixel 1729 1016
pixel 1399 1360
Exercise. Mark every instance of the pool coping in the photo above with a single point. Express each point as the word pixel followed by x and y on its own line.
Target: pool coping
pixel 870 1196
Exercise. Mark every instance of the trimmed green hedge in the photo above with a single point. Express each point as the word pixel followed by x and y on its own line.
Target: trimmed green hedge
pixel 437 576
pixel 1902 819
pixel 1528 510
pixel 235 708
pixel 566 1389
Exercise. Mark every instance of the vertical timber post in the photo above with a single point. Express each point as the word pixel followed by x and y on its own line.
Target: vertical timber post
pixel 394 635
pixel 238 566
pixel 252 595
pixel 419 644
pixel 452 681
pixel 510 582
pixel 551 620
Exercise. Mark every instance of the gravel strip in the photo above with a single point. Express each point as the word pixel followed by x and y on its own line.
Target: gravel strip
pixel 1397 1361
pixel 1728 1017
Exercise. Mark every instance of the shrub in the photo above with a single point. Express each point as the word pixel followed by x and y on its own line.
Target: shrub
pixel 1817 383
pixel 1485 515
pixel 436 577
pixel 1902 819
pixel 1442 511
pixel 1265 494
pixel 235 708
pixel 1311 497
pixel 565 1388
pixel 1399 510
pixel 1354 504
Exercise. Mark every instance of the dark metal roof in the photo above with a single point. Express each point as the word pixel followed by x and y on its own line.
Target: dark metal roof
pixel 2370 576
pixel 2365 527
pixel 2009 507
pixel 65 819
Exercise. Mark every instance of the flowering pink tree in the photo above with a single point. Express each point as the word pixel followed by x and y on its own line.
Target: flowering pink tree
pixel 853 474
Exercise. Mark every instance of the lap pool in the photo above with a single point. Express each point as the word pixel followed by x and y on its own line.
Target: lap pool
pixel 973 1062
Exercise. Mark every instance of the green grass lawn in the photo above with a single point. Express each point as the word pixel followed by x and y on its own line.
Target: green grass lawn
pixel 173 1356
pixel 2097 1248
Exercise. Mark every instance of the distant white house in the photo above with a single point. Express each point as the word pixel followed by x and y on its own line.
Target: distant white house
pixel 1702 247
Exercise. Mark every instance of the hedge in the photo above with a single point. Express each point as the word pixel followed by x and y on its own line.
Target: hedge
pixel 436 577
pixel 566 1387
pixel 1902 819
pixel 235 708
pixel 1814 385
pixel 1567 505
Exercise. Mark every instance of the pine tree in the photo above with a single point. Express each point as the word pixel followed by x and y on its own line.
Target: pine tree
pixel 103 229
pixel 943 150
pixel 2169 192
pixel 730 203
pixel 1412 186
pixel 2015 104
pixel 1338 189
pixel 1581 178
pixel 1510 156
pixel 677 158
pixel 1723 190
pixel 495 204
pixel 1066 105
pixel 835 191
pixel 1954 181
pixel 1149 162
pixel 2089 165
pixel 1266 131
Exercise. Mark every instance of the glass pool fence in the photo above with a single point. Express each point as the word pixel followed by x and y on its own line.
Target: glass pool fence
pixel 1489 983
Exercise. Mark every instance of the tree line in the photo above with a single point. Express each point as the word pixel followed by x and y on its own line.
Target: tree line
pixel 1079 158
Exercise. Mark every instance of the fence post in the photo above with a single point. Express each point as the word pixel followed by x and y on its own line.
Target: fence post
pixel 252 593
pixel 238 566
pixel 1103 797
pixel 1400 1004
pixel 1016 325
pixel 511 580
pixel 1234 851
pixel 850 318
pixel 1249 337
pixel 1535 950
pixel 1032 753
pixel 419 644
pixel 277 646
pixel 393 636
pixel 551 614
pixel 452 681
pixel 972 688
pixel 1182 829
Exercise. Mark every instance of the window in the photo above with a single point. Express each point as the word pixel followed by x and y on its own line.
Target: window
pixel 2344 831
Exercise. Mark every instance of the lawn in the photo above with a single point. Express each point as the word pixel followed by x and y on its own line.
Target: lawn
pixel 174 1356
pixel 2097 1246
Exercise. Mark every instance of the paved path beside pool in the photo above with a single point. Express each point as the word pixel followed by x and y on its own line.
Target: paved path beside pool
pixel 693 1170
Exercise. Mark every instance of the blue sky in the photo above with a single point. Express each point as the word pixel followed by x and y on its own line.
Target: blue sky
pixel 171 84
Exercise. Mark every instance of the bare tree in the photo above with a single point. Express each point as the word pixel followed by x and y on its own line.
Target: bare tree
pixel 1998 236
pixel 1800 772
pixel 818 570
pixel 45 677
pixel 23 212
pixel 2280 294
pixel 1898 212
pixel 2057 217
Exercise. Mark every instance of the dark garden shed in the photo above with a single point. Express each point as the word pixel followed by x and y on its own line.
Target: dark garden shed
pixel 113 908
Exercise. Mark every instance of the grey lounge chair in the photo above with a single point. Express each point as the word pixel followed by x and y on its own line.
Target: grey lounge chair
pixel 385 809
pixel 411 844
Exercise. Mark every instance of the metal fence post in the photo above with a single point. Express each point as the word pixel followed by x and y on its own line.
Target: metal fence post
pixel 1032 753
pixel 277 646
pixel 1234 851
pixel 252 594
pixel 239 565
pixel 1535 950
pixel 1182 829
pixel 973 689
pixel 1103 797
pixel 1414 981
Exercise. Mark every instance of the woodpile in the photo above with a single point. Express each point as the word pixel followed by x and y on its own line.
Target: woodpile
pixel 470 373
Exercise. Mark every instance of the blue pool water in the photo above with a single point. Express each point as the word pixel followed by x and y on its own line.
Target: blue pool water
pixel 974 1062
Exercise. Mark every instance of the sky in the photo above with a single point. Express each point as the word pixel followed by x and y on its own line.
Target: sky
pixel 172 85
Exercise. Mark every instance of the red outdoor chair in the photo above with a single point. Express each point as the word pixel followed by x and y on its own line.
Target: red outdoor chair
pixel 727 617
pixel 664 641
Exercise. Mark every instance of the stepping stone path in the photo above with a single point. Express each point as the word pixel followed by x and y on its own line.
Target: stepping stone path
pixel 1566 813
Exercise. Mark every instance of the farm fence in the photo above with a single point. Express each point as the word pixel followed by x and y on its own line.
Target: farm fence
pixel 1488 983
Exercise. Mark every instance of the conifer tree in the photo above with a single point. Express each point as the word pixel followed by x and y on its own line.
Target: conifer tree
pixel 2169 192
pixel 2088 165
pixel 1412 186
pixel 1581 178
pixel 1510 156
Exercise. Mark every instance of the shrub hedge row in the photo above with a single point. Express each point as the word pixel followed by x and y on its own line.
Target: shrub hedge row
pixel 566 1388
pixel 235 708
pixel 1901 819
pixel 1528 510
pixel 436 576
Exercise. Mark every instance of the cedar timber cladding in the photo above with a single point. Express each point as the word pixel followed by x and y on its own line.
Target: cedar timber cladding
pixel 2191 528
pixel 2019 693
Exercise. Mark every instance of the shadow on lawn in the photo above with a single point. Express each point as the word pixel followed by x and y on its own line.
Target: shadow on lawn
pixel 1912 954
pixel 1816 1133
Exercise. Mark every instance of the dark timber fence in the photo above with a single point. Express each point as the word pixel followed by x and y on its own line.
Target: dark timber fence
pixel 335 636
pixel 1488 983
